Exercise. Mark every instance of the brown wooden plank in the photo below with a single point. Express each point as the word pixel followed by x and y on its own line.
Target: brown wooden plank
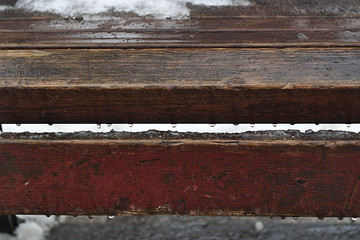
pixel 263 174
pixel 318 23
pixel 124 33
pixel 276 23
pixel 180 86
pixel 275 39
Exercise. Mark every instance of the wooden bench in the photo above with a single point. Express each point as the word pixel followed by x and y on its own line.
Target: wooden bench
pixel 273 62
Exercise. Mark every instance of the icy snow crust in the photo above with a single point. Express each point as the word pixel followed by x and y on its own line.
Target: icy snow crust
pixel 155 8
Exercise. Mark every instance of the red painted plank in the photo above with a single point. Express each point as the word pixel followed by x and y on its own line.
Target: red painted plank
pixel 270 174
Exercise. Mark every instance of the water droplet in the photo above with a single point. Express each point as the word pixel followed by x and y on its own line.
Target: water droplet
pixel 111 217
pixel 282 218
pixel 236 124
pixel 212 124
pixel 354 219
pixel 348 125
pixel 274 124
pixel 321 218
pixel 173 125
pixel 131 125
pixel 50 124
pixel 98 126
pixel 91 216
pixel 109 124
pixel 296 218
pixel 252 125
pixel 48 215
pixel 340 218
pixel 75 215
pixel 18 124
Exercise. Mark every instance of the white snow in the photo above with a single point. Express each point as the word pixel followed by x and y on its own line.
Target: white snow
pixel 35 227
pixel 29 231
pixel 156 8
pixel 259 226
pixel 4 7
pixel 44 222
pixel 221 128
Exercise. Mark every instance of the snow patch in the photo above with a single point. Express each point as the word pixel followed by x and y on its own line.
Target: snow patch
pixel 5 7
pixel 36 227
pixel 259 226
pixel 30 231
pixel 156 8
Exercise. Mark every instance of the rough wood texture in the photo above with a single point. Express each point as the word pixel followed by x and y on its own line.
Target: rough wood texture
pixel 309 73
pixel 298 175
pixel 127 33
pixel 180 86
pixel 264 24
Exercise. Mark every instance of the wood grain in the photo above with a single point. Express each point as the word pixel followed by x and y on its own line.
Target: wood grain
pixel 265 24
pixel 295 175
pixel 275 23
pixel 246 32
pixel 180 86
pixel 285 61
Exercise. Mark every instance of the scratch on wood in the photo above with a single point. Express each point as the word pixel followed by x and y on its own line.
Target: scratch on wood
pixel 354 195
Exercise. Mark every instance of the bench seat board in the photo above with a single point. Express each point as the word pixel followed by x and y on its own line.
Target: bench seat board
pixel 264 173
pixel 265 23
pixel 312 85
pixel 289 31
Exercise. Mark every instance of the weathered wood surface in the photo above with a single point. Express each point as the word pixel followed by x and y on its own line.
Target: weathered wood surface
pixel 133 24
pixel 206 69
pixel 268 174
pixel 127 33
pixel 180 86
pixel 167 82
pixel 264 24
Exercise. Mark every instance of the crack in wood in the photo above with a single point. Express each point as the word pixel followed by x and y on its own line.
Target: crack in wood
pixel 354 195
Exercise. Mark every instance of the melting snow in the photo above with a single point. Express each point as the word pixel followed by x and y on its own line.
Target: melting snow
pixel 156 8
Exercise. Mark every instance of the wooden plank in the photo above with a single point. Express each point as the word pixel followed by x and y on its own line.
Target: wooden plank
pixel 264 24
pixel 263 174
pixel 277 23
pixel 125 33
pixel 180 86
pixel 274 39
